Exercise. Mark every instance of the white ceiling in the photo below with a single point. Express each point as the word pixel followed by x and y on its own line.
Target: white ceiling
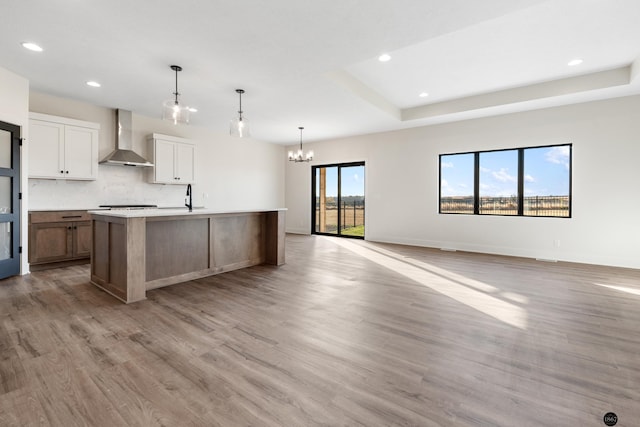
pixel 314 64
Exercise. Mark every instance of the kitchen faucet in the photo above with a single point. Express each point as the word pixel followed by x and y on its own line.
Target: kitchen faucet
pixel 190 204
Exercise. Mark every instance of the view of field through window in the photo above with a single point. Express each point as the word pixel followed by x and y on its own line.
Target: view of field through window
pixel 339 200
pixel 544 177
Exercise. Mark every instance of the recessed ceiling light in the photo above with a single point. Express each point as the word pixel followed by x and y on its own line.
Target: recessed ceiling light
pixel 574 62
pixel 93 84
pixel 423 95
pixel 32 46
pixel 193 110
pixel 384 57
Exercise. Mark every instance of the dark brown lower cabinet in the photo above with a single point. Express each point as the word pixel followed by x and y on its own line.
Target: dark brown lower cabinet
pixel 58 238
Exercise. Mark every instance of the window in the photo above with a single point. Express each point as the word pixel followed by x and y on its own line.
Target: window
pixel 456 183
pixel 547 181
pixel 498 189
pixel 534 181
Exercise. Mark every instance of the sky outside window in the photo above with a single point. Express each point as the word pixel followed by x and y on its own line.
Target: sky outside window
pixel 499 173
pixel 352 181
pixel 456 175
pixel 546 171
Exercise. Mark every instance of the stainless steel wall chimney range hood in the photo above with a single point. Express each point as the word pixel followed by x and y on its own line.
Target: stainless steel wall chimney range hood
pixel 123 155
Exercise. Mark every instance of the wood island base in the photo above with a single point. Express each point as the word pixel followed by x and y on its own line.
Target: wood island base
pixel 133 252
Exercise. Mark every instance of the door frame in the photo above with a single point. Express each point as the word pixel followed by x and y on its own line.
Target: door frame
pixel 11 266
pixel 339 196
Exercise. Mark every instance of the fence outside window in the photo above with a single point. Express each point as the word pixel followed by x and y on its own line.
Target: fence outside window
pixel 533 205
pixel 351 215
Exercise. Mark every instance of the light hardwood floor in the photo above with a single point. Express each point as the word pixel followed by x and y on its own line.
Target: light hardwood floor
pixel 346 333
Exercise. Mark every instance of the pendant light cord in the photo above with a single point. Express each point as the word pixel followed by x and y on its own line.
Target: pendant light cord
pixel 300 137
pixel 176 68
pixel 240 92
pixel 176 92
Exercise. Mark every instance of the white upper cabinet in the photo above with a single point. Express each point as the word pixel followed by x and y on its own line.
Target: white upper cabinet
pixel 46 149
pixel 81 152
pixel 185 159
pixel 174 159
pixel 164 161
pixel 62 148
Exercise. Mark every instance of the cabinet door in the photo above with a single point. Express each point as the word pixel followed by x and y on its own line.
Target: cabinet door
pixel 82 239
pixel 50 242
pixel 164 160
pixel 81 153
pixel 46 149
pixel 185 158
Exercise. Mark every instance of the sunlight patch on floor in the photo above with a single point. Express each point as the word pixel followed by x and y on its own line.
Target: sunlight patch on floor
pixel 470 292
pixel 620 288
pixel 520 299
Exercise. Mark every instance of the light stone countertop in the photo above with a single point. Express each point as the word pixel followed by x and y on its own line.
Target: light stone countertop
pixel 64 209
pixel 156 212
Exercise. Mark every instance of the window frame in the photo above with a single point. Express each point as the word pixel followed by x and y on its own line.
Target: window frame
pixel 520 181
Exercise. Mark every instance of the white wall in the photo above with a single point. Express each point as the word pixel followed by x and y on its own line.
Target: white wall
pixel 402 184
pixel 230 173
pixel 14 108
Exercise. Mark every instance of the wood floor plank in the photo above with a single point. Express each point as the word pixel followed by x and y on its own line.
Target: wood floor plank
pixel 347 332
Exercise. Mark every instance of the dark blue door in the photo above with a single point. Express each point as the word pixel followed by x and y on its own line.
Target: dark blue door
pixel 9 200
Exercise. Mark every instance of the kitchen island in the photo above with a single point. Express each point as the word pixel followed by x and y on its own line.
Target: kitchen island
pixel 134 251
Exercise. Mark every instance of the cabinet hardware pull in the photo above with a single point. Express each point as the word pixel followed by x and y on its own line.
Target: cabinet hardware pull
pixel 61 171
pixel 72 216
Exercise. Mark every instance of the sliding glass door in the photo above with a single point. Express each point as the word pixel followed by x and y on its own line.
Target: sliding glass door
pixel 338 199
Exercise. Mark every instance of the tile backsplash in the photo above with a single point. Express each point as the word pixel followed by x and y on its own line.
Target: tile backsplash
pixel 115 185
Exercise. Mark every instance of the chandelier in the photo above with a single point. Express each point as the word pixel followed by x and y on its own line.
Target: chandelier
pixel 299 156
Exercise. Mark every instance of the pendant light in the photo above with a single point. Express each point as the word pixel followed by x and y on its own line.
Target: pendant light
pixel 299 156
pixel 239 125
pixel 173 110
